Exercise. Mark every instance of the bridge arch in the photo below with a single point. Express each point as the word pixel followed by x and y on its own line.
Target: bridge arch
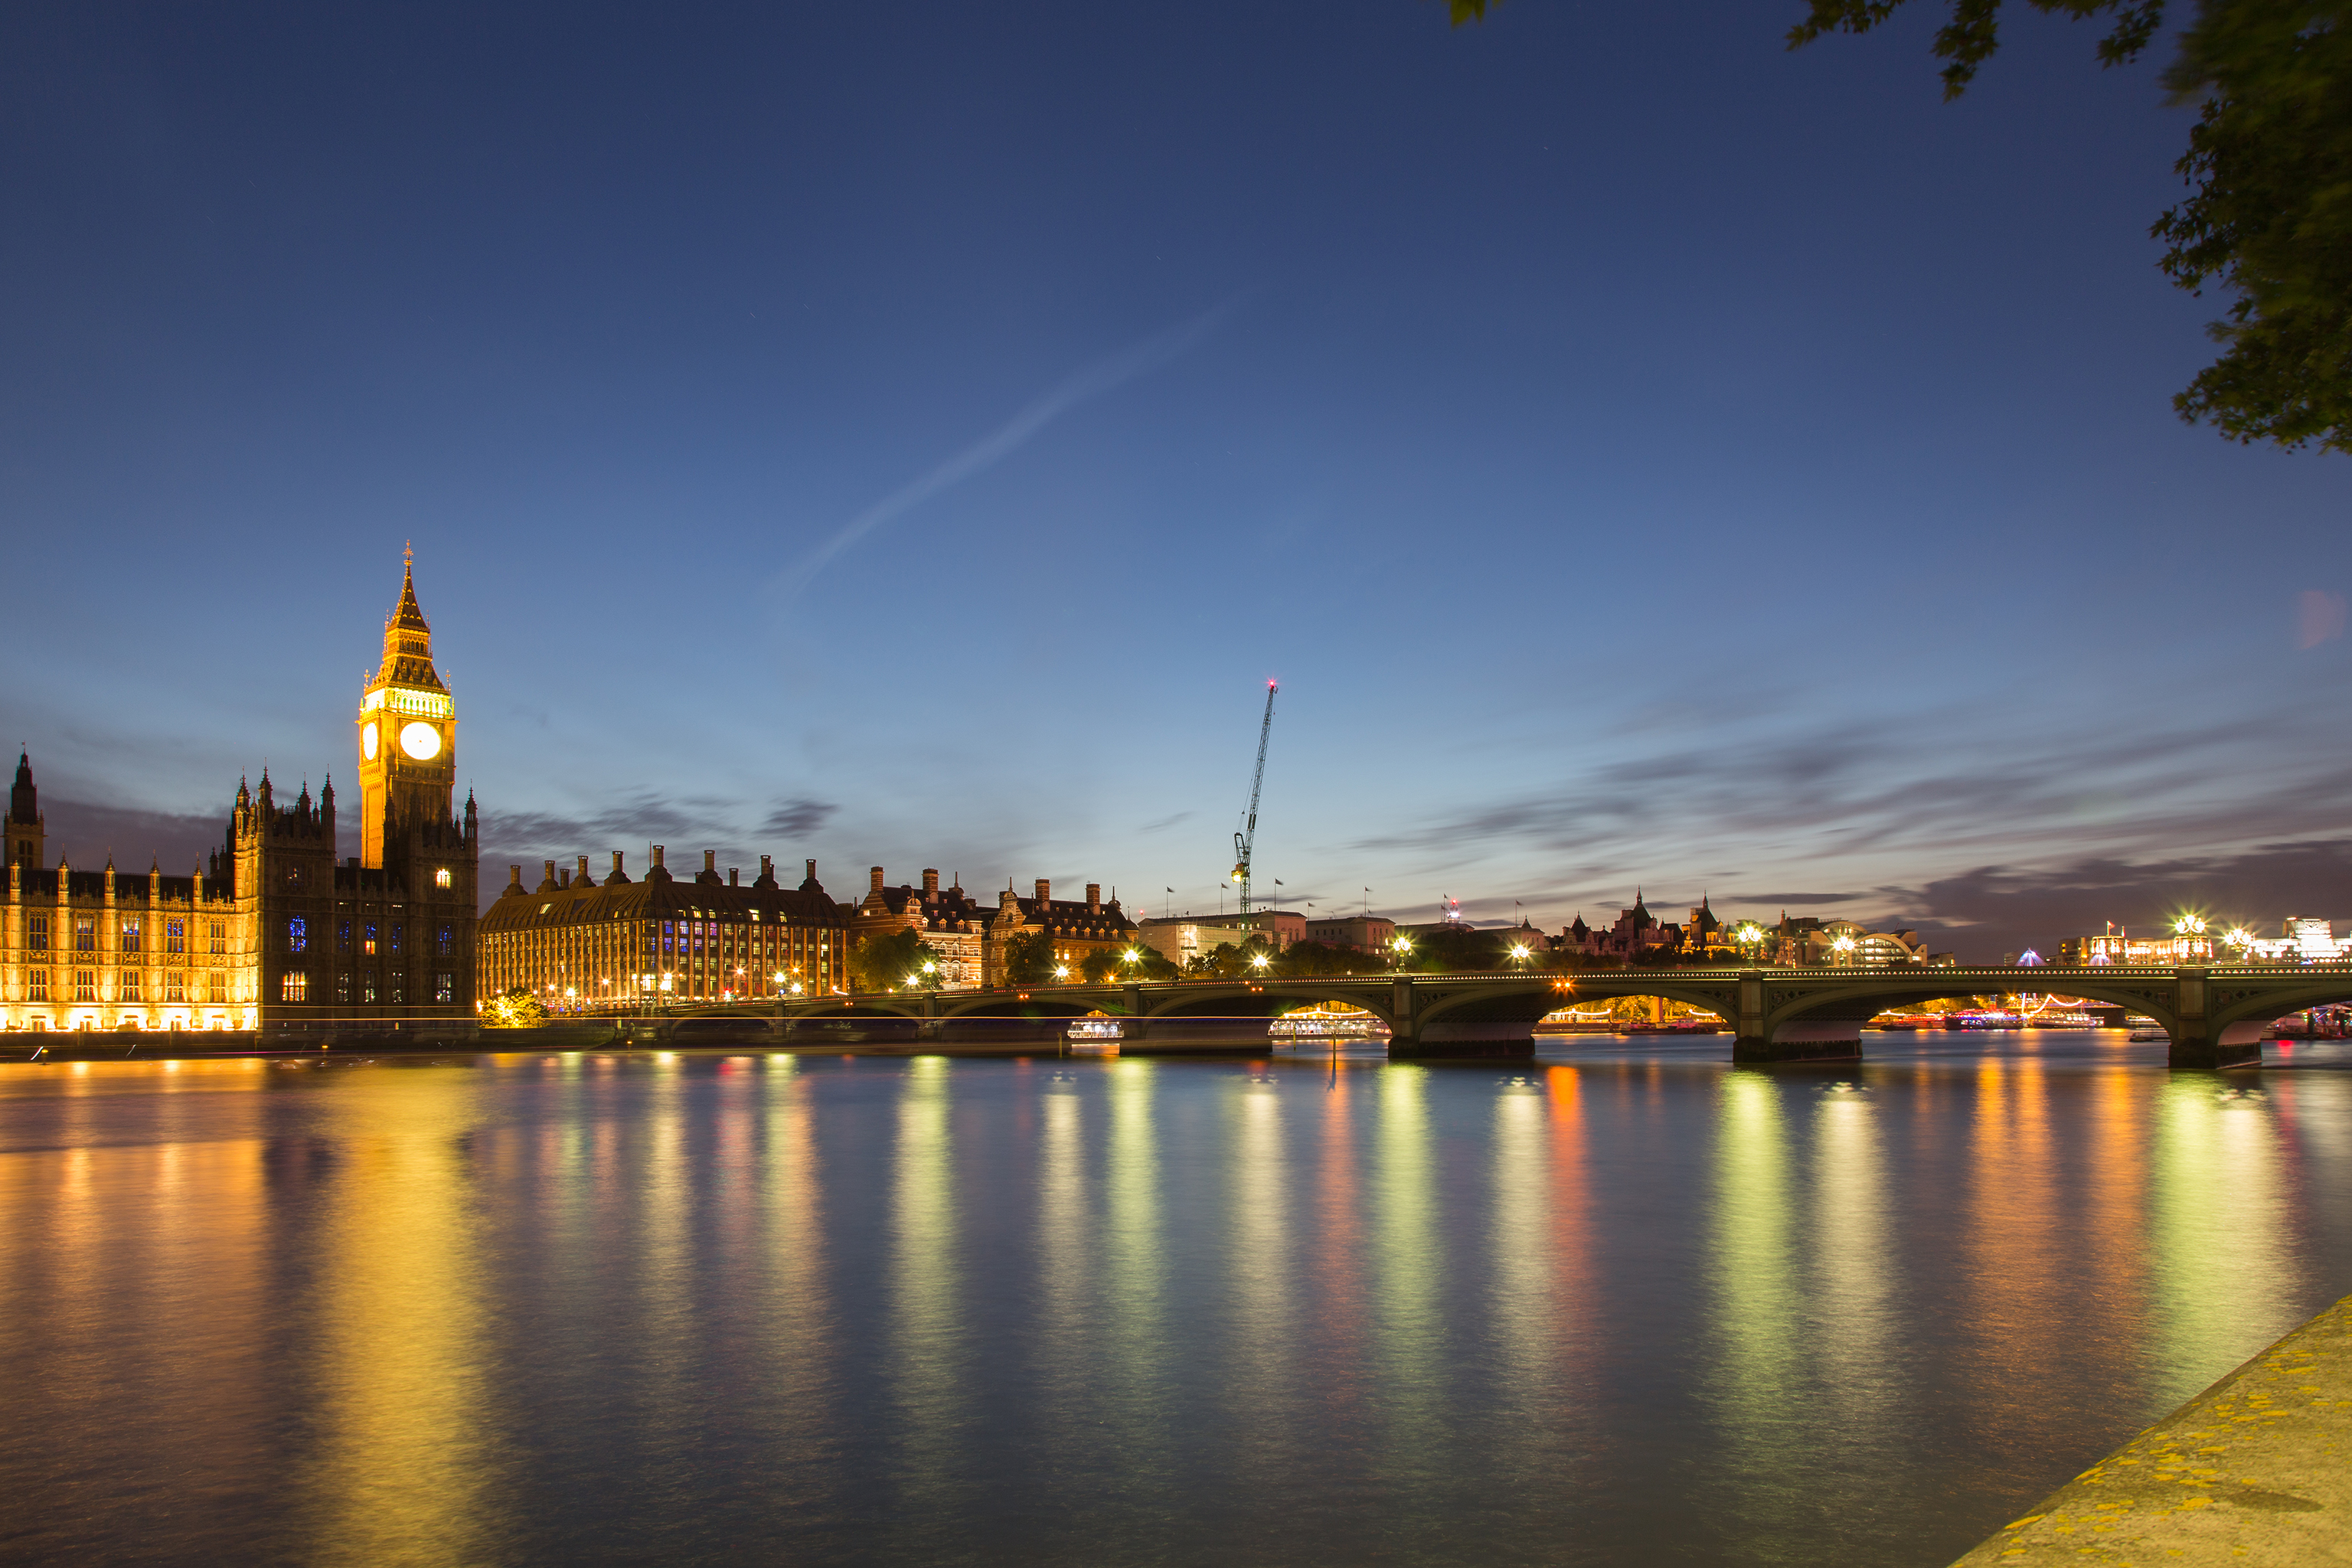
pixel 1798 1008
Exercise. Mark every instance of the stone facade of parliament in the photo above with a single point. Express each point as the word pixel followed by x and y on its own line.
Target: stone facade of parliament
pixel 276 932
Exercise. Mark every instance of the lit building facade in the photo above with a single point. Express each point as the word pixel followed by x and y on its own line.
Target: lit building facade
pixel 950 921
pixel 1075 927
pixel 581 946
pixel 276 932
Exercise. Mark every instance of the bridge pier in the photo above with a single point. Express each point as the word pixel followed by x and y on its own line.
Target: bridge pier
pixel 1464 1042
pixel 1833 1041
pixel 2196 1043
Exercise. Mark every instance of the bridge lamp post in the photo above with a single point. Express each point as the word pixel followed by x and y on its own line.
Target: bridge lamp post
pixel 1258 961
pixel 1061 972
pixel 1844 948
pixel 2243 939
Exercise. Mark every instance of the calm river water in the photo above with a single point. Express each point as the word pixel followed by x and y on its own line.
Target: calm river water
pixel 1629 1305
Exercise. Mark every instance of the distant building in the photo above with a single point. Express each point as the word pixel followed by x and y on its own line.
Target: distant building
pixel 952 922
pixel 578 945
pixel 2116 945
pixel 1076 927
pixel 1184 939
pixel 277 929
pixel 1358 933
pixel 1635 933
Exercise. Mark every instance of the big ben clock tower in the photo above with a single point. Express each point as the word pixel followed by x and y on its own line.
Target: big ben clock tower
pixel 408 734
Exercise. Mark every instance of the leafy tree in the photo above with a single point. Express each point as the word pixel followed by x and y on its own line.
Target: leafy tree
pixel 1103 965
pixel 1029 959
pixel 1454 950
pixel 883 962
pixel 2269 168
pixel 1227 962
pixel 518 1008
pixel 1308 959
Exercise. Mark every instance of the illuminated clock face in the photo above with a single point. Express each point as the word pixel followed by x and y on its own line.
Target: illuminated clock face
pixel 367 742
pixel 421 741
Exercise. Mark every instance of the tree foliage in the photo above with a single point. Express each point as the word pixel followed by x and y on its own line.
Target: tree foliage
pixel 2269 168
pixel 1029 959
pixel 885 962
pixel 518 1008
pixel 1313 960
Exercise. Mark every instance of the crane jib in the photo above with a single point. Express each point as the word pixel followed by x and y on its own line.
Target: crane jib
pixel 1247 840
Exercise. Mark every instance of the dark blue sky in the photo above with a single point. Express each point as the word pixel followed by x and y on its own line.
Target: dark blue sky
pixel 914 434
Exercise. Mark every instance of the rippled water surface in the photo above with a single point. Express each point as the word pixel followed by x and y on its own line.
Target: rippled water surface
pixel 1627 1305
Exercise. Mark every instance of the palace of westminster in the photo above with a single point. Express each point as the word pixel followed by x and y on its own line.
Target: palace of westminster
pixel 279 932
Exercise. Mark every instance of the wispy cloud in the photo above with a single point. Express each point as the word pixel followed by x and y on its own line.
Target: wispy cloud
pixel 1165 822
pixel 798 817
pixel 1093 380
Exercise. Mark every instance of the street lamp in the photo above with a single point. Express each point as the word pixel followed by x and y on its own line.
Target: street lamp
pixel 1844 948
pixel 1061 972
pixel 1259 960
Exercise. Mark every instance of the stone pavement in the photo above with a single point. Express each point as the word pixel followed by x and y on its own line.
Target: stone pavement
pixel 2253 1470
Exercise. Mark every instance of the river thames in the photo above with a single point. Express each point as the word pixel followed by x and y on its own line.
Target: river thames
pixel 1627 1304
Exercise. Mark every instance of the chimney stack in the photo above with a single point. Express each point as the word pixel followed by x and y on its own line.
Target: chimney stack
pixel 581 878
pixel 812 870
pixel 877 878
pixel 514 878
pixel 1094 898
pixel 616 863
pixel 931 886
pixel 710 861
pixel 768 868
pixel 563 878
pixel 657 853
pixel 731 875
pixel 1044 891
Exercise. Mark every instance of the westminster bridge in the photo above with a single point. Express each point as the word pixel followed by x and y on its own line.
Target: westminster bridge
pixel 2215 1016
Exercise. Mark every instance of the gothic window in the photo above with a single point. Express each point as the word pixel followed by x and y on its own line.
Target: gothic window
pixel 175 986
pixel 367 939
pixel 38 938
pixel 441 878
pixel 293 986
pixel 219 935
pixel 298 936
pixel 217 991
pixel 367 989
pixel 37 983
pixel 175 936
pixel 293 876
pixel 85 984
pixel 443 987
pixel 85 934
pixel 400 987
pixel 446 941
pixel 344 987
pixel 130 933
pixel 126 986
pixel 396 932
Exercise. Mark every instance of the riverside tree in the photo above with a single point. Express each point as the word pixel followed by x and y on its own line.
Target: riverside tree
pixel 2269 169
pixel 885 962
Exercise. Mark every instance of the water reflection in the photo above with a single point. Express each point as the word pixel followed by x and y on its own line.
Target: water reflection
pixel 403 1468
pixel 924 1331
pixel 1411 1312
pixel 1754 1277
pixel 1853 1328
pixel 2227 1280
pixel 1635 1309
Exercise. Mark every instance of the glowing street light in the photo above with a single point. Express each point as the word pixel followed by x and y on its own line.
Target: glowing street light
pixel 1843 947
pixel 2190 925
pixel 1061 972
pixel 1259 960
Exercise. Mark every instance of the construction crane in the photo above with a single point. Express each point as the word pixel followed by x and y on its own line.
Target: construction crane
pixel 1246 839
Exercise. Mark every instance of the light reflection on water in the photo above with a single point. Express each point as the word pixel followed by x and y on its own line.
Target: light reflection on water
pixel 1630 1304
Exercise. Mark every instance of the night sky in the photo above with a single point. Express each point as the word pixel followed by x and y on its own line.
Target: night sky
pixel 915 433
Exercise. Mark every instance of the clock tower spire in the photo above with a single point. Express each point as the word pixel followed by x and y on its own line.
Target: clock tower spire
pixel 407 731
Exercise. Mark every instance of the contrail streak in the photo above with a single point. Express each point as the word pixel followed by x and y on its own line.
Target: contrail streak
pixel 1092 381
